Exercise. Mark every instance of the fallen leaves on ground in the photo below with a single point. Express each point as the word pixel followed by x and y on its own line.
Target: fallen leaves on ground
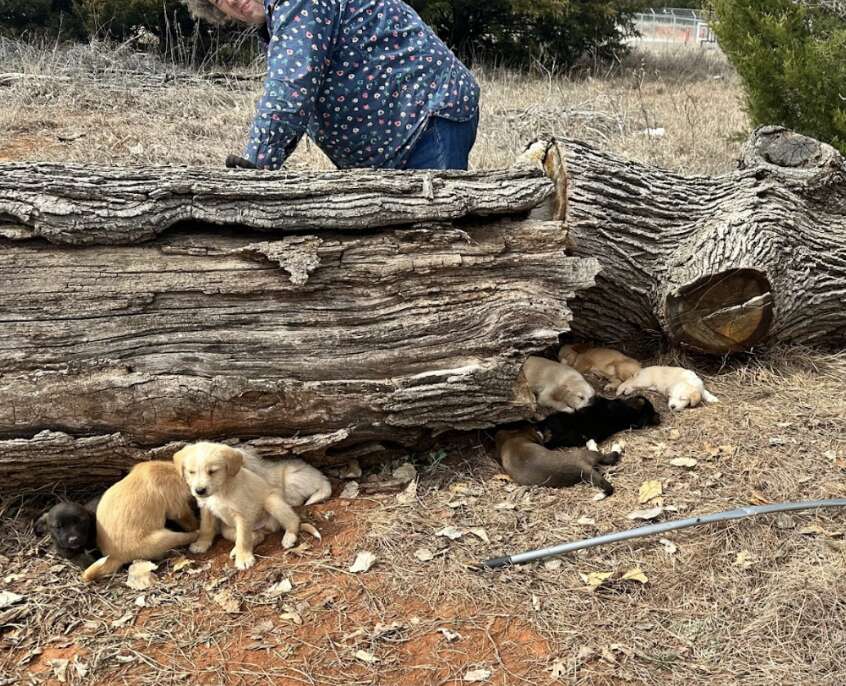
pixel 227 600
pixel 279 588
pixel 649 490
pixel 686 462
pixel 140 575
pixel 363 562
pixel 646 515
pixel 477 675
pixel 603 580
pixel 365 657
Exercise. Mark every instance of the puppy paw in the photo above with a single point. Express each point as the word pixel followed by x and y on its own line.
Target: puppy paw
pixel 591 445
pixel 289 540
pixel 200 546
pixel 617 447
pixel 244 560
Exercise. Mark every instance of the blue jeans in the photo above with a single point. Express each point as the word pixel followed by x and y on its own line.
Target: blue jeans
pixel 444 144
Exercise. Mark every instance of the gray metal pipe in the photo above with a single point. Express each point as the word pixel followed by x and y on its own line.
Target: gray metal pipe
pixel 652 529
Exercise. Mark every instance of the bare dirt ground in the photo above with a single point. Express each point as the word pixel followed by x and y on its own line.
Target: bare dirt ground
pixel 754 602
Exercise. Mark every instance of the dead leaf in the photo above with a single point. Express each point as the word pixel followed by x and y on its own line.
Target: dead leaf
pixel 558 669
pixel 290 615
pixel 60 669
pixel 279 588
pixel 350 491
pixel 386 630
pixel 585 654
pixel 409 495
pixel 646 515
pixel 450 532
pixel 674 435
pixel 686 462
pixel 80 667
pixel 141 601
pixel 363 562
pixel 649 490
pixel 669 547
pixel 7 599
pixel 505 506
pixel 123 621
pixel 598 580
pixel 635 574
pixel 405 472
pixel 181 564
pixel 759 498
pixel 477 675
pixel 745 559
pixel 140 575
pixel 365 657
pixel 424 554
pixel 450 636
pixel 479 533
pixel 599 496
pixel 586 521
pixel 227 600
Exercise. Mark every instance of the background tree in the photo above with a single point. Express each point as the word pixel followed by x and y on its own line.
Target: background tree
pixel 791 57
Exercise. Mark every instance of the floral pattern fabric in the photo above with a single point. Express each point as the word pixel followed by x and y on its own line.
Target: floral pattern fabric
pixel 360 77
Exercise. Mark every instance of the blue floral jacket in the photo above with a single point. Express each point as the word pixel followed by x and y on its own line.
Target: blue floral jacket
pixel 361 77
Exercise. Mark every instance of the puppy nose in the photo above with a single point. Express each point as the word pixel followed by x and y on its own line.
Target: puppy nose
pixel 73 540
pixel 200 491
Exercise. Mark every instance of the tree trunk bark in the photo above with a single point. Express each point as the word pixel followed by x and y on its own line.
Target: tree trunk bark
pixel 720 264
pixel 283 331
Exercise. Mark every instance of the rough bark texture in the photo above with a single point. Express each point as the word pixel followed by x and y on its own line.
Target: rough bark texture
pixel 323 343
pixel 716 264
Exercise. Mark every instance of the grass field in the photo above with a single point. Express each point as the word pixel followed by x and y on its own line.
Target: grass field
pixel 754 602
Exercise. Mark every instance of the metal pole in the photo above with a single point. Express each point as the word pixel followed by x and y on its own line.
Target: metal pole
pixel 652 529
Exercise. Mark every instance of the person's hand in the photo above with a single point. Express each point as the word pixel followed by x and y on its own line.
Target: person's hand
pixel 236 162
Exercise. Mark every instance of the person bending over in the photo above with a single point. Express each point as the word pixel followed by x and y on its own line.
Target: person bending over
pixel 367 80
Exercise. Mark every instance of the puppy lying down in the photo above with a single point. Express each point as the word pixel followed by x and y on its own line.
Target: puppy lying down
pixel 557 386
pixel 529 463
pixel 600 420
pixel 611 365
pixel 682 387
pixel 73 530
pixel 245 504
pixel 132 513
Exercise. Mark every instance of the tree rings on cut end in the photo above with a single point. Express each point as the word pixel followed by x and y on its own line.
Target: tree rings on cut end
pixel 721 313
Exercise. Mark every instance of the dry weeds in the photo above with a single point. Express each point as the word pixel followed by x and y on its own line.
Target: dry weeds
pixel 754 602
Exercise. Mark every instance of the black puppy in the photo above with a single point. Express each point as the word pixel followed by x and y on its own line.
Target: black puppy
pixel 73 530
pixel 599 420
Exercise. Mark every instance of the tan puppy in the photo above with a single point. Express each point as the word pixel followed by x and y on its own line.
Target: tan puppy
pixel 557 386
pixel 681 386
pixel 131 518
pixel 242 501
pixel 529 463
pixel 604 362
pixel 299 482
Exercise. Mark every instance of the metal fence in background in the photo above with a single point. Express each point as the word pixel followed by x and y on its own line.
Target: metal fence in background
pixel 674 25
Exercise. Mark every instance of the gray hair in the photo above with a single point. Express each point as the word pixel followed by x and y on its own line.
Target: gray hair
pixel 204 9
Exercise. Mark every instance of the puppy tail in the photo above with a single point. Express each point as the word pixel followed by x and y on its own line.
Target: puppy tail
pixel 309 529
pixel 709 397
pixel 105 566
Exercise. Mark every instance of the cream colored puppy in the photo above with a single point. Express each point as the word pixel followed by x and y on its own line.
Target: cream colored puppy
pixel 131 518
pixel 604 362
pixel 299 482
pixel 242 502
pixel 557 386
pixel 681 386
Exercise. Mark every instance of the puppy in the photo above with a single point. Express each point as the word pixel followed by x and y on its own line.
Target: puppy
pixel 600 420
pixel 244 502
pixel 529 463
pixel 681 386
pixel 557 386
pixel 72 528
pixel 609 364
pixel 299 482
pixel 131 517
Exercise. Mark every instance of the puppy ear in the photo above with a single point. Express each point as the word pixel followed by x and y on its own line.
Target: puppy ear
pixel 695 398
pixel 234 461
pixel 178 460
pixel 40 526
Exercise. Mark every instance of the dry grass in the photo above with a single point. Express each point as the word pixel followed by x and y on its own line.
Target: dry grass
pixel 95 112
pixel 703 618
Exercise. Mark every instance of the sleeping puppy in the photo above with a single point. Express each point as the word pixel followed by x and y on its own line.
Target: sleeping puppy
pixel 605 362
pixel 681 386
pixel 557 386
pixel 243 503
pixel 132 513
pixel 527 462
pixel 73 530
pixel 600 420
pixel 299 482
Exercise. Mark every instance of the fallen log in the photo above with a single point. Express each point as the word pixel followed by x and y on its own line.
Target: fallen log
pixel 718 265
pixel 325 315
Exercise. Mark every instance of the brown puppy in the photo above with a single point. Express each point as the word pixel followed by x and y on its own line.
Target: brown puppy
pixel 131 518
pixel 557 386
pixel 244 502
pixel 604 362
pixel 529 463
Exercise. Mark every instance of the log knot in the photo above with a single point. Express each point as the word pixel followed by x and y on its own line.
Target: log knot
pixel 298 255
